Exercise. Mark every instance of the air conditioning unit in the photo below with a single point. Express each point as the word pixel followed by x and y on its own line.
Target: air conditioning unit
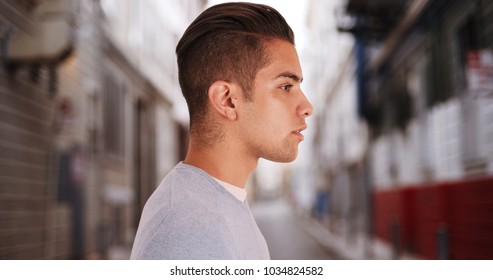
pixel 51 37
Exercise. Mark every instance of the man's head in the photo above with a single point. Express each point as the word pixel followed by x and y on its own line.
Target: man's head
pixel 226 42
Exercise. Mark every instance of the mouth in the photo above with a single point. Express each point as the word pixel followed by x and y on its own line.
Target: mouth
pixel 298 131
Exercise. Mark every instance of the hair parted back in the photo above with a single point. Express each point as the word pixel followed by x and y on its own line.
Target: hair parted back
pixel 226 42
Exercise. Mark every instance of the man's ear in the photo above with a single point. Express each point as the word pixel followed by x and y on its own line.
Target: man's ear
pixel 223 98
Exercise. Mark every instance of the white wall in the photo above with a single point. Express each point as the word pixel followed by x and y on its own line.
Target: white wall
pixel 147 32
pixel 405 149
pixel 166 141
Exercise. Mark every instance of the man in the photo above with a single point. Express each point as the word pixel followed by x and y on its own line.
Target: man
pixel 240 75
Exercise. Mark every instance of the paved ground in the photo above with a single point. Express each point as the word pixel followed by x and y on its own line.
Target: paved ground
pixel 285 236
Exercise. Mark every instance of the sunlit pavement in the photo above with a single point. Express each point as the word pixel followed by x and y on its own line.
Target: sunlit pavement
pixel 286 234
pixel 119 253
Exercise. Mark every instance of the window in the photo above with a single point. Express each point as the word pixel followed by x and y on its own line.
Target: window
pixel 473 109
pixel 438 70
pixel 113 116
pixel 468 41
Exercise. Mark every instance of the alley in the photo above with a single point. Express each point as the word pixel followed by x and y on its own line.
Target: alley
pixel 396 160
pixel 284 235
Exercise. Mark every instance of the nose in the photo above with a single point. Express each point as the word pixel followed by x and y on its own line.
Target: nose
pixel 305 108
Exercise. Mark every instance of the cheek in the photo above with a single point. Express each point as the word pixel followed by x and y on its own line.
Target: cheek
pixel 278 112
pixel 267 114
pixel 270 118
pixel 260 126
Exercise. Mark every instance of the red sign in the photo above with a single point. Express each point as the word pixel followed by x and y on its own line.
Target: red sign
pixel 480 71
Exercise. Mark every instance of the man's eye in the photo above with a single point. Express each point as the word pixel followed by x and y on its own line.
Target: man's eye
pixel 286 87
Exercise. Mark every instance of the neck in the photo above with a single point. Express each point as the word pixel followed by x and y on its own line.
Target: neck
pixel 222 161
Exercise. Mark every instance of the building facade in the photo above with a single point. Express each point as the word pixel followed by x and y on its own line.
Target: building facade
pixel 428 102
pixel 33 224
pixel 340 142
pixel 91 122
pixel 403 144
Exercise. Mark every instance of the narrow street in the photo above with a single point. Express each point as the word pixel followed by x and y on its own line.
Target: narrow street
pixel 286 239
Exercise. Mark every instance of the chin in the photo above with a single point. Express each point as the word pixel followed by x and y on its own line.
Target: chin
pixel 282 157
pixel 286 160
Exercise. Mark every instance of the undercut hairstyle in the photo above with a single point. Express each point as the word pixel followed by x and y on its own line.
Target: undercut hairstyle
pixel 226 42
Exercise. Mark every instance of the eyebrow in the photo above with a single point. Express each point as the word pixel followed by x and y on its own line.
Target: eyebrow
pixel 290 75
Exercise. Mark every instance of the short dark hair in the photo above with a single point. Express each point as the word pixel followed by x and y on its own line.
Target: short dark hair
pixel 226 42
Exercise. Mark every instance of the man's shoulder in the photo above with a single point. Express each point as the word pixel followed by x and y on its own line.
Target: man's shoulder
pixel 181 211
pixel 188 183
pixel 184 194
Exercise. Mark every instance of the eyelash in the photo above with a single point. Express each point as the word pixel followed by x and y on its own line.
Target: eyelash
pixel 286 87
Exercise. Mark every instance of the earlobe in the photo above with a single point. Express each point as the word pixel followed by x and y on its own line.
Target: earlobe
pixel 221 96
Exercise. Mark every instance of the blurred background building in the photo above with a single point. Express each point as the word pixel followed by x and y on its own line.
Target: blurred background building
pixel 88 126
pixel 405 123
pixel 397 161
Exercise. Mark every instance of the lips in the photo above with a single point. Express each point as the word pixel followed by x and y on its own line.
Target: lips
pixel 298 131
pixel 301 128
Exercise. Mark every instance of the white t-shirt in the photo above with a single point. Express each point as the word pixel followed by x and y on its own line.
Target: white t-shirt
pixel 237 192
